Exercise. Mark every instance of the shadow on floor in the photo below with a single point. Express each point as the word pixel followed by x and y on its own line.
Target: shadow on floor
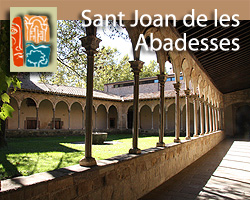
pixel 219 174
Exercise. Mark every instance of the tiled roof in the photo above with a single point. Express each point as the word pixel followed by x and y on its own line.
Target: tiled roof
pixel 65 90
pixel 81 92
pixel 154 95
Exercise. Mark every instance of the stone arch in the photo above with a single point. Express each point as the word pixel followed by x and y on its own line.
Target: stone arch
pixel 28 114
pixel 145 117
pixel 194 80
pixel 169 102
pixel 101 118
pixel 112 117
pixel 130 112
pixel 61 115
pixel 65 101
pixel 45 114
pixel 79 102
pixel 101 103
pixel 76 116
pixel 176 61
pixel 171 118
pixel 156 116
pixel 186 70
pixel 52 103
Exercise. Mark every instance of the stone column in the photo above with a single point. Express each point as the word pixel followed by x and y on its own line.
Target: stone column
pixel 37 125
pixel 188 136
pixel 18 126
pixel 69 119
pixel 107 120
pixel 91 43
pixel 195 117
pixel 210 119
pixel 136 66
pixel 177 87
pixel 202 116
pixel 162 79
pixel 216 119
pixel 206 118
pixel 219 119
pixel 213 112
pixel 54 118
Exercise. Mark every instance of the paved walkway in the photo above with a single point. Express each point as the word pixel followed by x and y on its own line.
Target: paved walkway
pixel 223 173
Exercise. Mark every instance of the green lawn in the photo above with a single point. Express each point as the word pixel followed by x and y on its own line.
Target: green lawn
pixel 26 156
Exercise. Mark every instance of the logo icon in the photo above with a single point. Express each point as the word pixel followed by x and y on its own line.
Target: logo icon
pixel 32 41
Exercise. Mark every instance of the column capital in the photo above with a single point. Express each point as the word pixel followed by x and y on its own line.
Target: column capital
pixel 177 86
pixel 90 43
pixel 201 100
pixel 195 97
pixel 162 78
pixel 187 92
pixel 136 66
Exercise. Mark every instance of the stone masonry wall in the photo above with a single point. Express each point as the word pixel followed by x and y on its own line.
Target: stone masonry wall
pixel 123 177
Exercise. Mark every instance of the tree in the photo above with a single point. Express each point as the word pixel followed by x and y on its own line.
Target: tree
pixel 6 79
pixel 72 62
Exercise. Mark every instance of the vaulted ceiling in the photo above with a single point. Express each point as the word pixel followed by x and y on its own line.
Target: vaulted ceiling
pixel 229 70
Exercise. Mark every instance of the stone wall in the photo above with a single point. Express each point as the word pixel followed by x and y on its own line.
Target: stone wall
pixel 123 177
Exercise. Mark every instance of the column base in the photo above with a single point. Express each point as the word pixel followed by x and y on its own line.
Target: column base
pixel 195 135
pixel 160 144
pixel 188 138
pixel 202 134
pixel 177 140
pixel 206 133
pixel 135 151
pixel 87 162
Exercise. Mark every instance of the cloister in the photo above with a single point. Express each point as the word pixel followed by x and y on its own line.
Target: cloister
pixel 35 110
pixel 207 106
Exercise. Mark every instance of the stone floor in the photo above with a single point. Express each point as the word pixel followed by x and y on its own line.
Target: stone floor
pixel 223 173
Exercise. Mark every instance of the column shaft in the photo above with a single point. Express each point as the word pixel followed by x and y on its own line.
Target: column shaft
pixel 202 117
pixel 195 118
pixel 177 112
pixel 213 112
pixel 206 118
pixel 210 119
pixel 91 43
pixel 162 79
pixel 188 136
pixel 136 66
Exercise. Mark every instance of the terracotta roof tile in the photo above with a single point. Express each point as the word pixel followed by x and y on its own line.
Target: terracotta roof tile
pixel 66 90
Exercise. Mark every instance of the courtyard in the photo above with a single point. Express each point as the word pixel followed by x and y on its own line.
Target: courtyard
pixel 27 156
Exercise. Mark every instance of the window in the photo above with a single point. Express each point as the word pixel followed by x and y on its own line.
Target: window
pixel 169 79
pixel 181 78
